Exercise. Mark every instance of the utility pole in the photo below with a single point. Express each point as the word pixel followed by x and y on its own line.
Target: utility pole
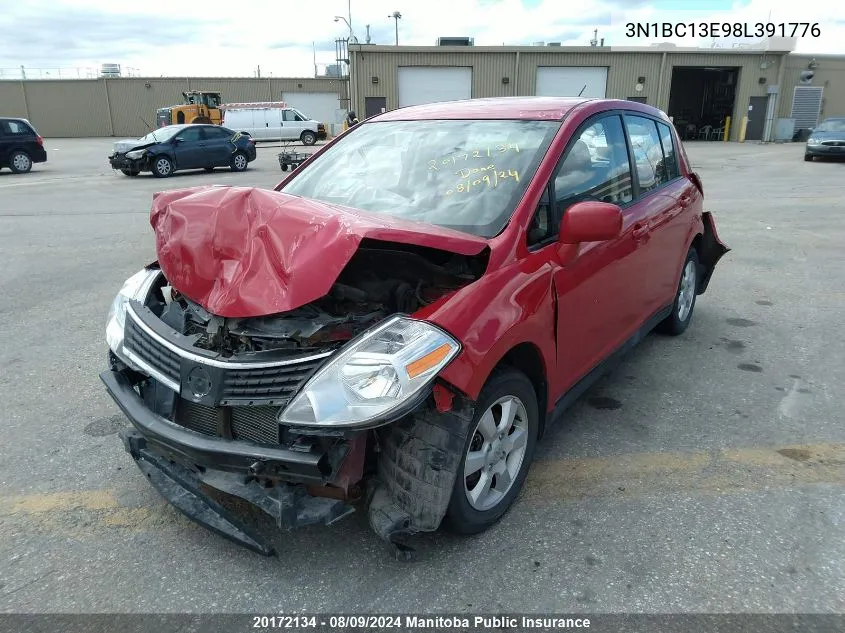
pixel 396 17
pixel 368 34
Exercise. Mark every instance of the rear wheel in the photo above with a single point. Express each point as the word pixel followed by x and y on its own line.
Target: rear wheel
pixel 20 162
pixel 162 167
pixel 308 137
pixel 677 322
pixel 497 453
pixel 239 162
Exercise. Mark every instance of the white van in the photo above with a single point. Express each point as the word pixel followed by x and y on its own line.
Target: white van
pixel 272 122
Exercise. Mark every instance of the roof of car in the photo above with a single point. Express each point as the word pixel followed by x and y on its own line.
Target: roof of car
pixel 549 108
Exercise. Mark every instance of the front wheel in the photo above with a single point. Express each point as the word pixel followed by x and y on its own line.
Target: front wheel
pixel 308 137
pixel 239 162
pixel 130 172
pixel 677 322
pixel 808 158
pixel 497 453
pixel 162 167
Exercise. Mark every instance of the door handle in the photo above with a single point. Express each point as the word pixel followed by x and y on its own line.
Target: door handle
pixel 640 230
pixel 685 199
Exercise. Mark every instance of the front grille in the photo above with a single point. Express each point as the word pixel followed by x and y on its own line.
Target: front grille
pixel 196 417
pixel 834 143
pixel 237 385
pixel 254 424
pixel 258 424
pixel 150 350
pixel 271 385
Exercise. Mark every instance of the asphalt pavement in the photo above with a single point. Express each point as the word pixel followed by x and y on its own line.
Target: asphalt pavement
pixel 705 474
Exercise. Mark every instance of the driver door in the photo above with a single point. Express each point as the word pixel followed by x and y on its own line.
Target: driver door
pixel 188 148
pixel 598 285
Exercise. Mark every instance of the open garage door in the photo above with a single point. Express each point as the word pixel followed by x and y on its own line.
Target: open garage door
pixel 572 81
pixel 320 106
pixel 430 84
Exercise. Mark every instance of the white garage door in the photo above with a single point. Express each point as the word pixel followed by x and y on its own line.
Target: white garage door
pixel 429 84
pixel 572 81
pixel 320 106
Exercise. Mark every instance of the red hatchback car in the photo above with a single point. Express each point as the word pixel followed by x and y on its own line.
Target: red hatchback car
pixel 394 326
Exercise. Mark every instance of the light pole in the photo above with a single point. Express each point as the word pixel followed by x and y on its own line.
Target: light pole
pixel 338 18
pixel 396 16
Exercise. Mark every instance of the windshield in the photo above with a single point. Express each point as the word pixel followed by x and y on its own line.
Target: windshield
pixel 464 175
pixel 159 136
pixel 832 125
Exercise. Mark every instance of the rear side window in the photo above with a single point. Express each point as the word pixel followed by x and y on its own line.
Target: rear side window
pixel 648 152
pixel 670 156
pixel 595 167
pixel 16 128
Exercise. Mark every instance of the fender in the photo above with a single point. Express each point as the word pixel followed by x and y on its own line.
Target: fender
pixel 506 308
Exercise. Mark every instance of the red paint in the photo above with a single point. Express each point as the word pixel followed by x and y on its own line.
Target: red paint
pixel 249 252
pixel 245 252
pixel 443 398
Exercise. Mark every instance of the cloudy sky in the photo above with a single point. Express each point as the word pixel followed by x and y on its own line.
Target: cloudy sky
pixel 223 37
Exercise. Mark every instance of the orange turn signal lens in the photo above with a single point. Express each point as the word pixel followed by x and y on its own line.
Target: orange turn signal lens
pixel 422 365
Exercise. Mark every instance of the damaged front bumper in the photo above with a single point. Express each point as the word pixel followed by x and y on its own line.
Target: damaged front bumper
pixel 402 473
pixel 120 161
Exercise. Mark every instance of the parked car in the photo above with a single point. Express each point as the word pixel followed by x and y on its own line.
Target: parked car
pixel 828 139
pixel 178 147
pixel 394 327
pixel 274 123
pixel 20 145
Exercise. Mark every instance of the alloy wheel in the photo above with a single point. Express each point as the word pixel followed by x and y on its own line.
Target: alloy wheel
pixel 496 453
pixel 686 292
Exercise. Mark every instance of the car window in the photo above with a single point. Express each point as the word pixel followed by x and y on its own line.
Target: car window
pixel 288 115
pixel 15 128
pixel 465 175
pixel 648 152
pixel 595 167
pixel 831 125
pixel 542 225
pixel 191 134
pixel 670 160
pixel 218 133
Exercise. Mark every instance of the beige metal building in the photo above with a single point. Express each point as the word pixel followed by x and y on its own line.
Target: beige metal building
pixel 126 107
pixel 699 88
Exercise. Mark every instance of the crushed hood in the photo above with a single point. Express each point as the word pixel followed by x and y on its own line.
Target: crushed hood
pixel 129 144
pixel 246 252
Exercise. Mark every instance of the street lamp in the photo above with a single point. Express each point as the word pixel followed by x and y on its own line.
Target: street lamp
pixel 352 37
pixel 396 16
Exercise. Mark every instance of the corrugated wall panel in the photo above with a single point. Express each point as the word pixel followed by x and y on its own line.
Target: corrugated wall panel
pixel 68 108
pixel 76 108
pixel 12 101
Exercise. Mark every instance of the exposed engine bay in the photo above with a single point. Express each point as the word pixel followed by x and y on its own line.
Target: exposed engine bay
pixel 381 279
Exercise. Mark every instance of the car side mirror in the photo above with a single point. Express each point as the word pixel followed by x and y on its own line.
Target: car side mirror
pixel 590 221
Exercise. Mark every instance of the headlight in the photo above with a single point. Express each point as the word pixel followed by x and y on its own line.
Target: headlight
pixel 135 153
pixel 813 141
pixel 374 376
pixel 136 287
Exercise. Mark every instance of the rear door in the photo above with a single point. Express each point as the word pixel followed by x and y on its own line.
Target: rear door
pixel 190 151
pixel 218 146
pixel 5 143
pixel 599 303
pixel 662 198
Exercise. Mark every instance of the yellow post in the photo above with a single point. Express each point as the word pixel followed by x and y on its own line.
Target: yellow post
pixel 727 132
pixel 742 127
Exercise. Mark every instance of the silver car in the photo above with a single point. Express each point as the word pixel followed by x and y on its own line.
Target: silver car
pixel 828 139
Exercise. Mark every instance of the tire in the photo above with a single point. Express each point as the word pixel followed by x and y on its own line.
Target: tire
pixel 129 172
pixel 808 158
pixel 20 162
pixel 202 119
pixel 308 137
pixel 471 510
pixel 239 162
pixel 162 167
pixel 684 304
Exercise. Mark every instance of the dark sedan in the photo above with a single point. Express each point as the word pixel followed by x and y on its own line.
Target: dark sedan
pixel 827 139
pixel 179 147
